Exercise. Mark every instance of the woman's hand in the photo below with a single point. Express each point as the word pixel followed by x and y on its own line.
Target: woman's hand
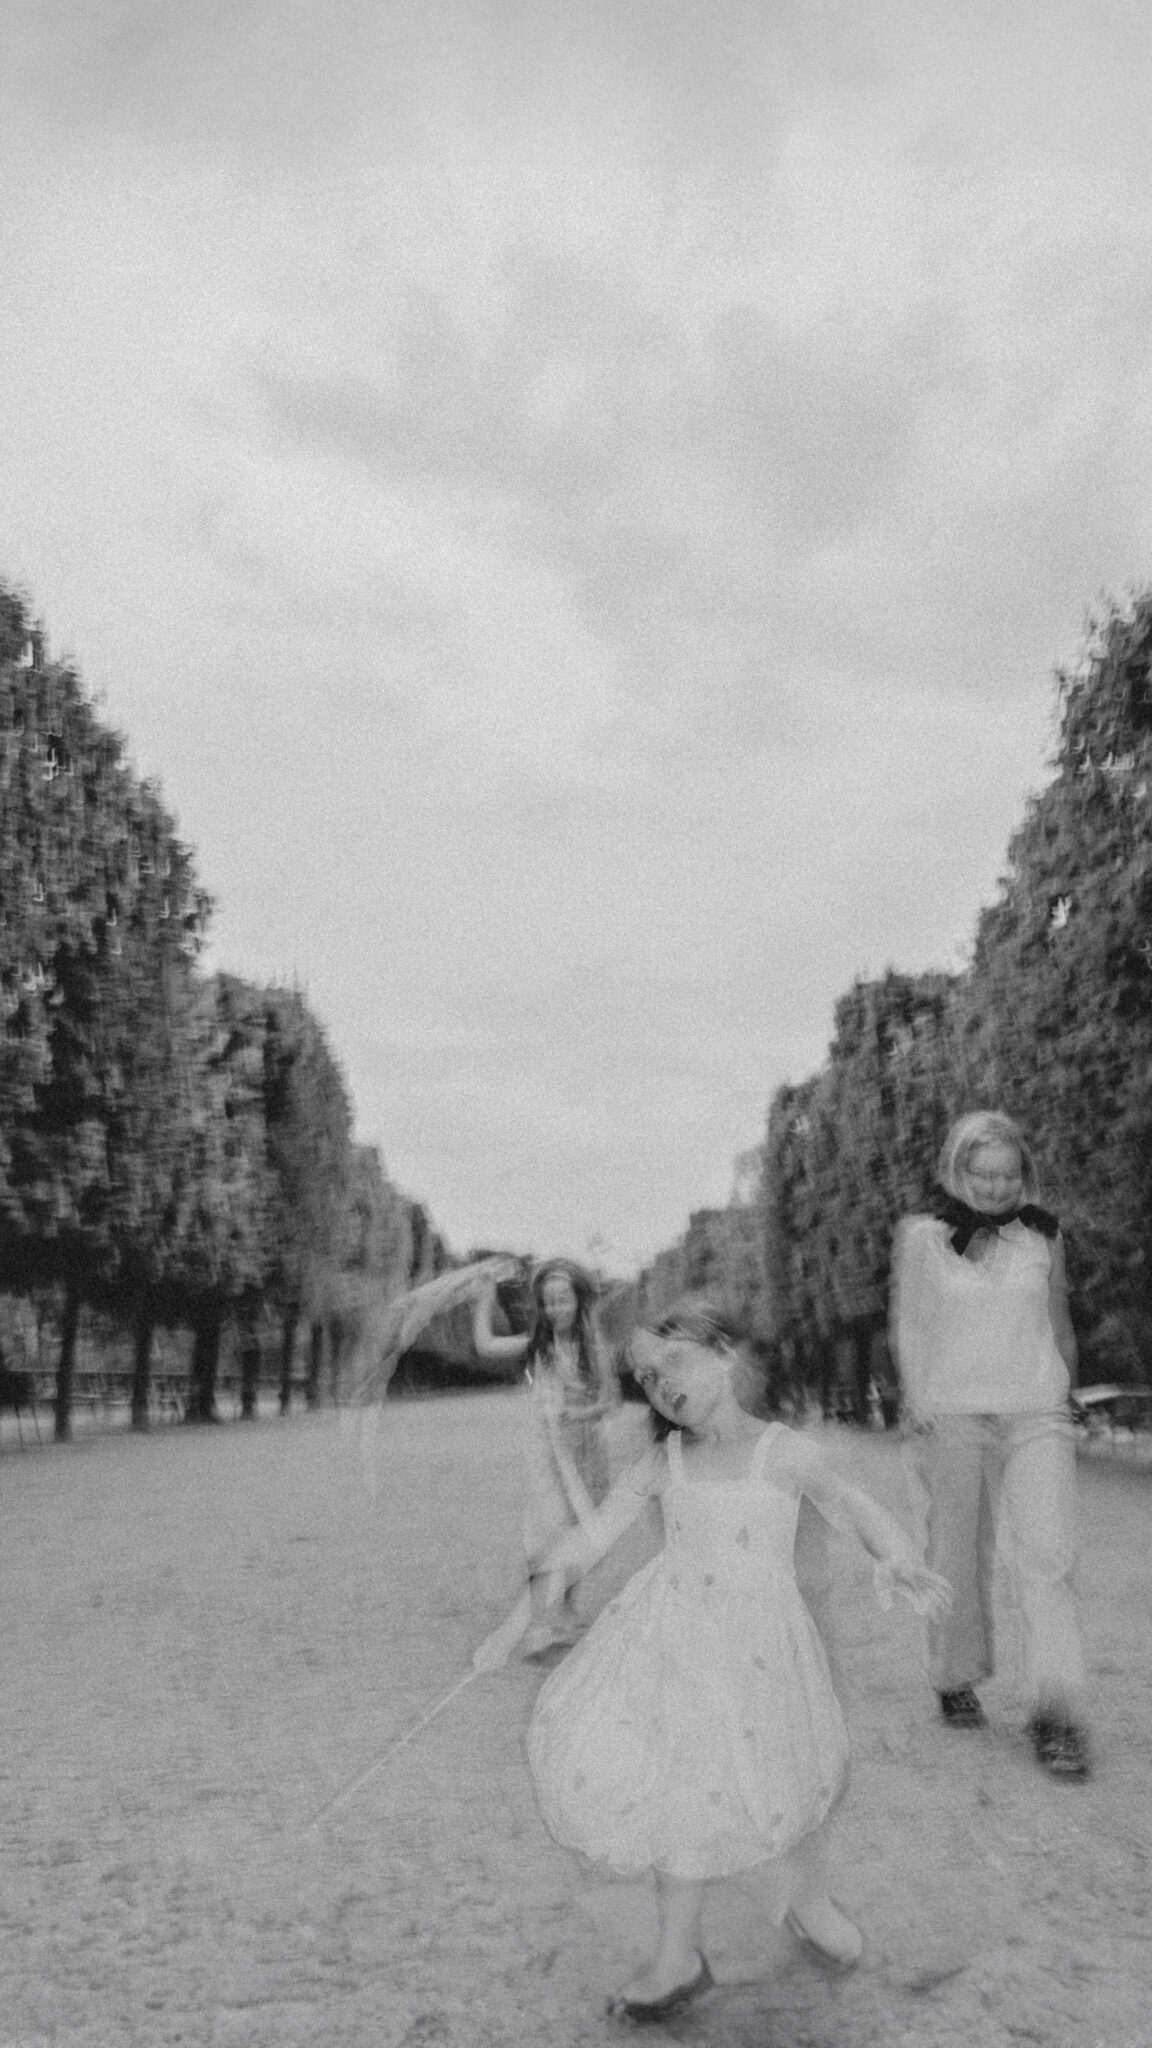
pixel 926 1591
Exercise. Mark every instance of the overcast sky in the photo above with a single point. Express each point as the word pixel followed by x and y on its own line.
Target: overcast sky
pixel 578 505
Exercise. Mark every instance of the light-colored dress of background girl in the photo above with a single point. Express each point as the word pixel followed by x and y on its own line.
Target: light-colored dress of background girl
pixel 571 1389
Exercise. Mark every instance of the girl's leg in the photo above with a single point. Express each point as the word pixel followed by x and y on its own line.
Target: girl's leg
pixel 811 1912
pixel 1039 1493
pixel 547 1591
pixel 549 1628
pixel 951 1459
pixel 679 1956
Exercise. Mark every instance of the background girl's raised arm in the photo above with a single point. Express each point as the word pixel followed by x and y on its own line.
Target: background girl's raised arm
pixel 484 1337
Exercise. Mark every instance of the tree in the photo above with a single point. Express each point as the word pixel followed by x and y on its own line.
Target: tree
pixel 1052 1022
pixel 1058 1003
pixel 223 1242
pixel 172 1151
pixel 308 1121
pixel 102 917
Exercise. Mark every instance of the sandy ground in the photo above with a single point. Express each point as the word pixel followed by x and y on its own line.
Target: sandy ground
pixel 207 1634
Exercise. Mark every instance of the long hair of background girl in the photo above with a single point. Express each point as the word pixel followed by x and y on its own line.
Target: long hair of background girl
pixel 540 1339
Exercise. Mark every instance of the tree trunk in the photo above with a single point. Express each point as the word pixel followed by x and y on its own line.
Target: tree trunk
pixel 287 1353
pixel 250 1362
pixel 825 1374
pixel 66 1365
pixel 142 1365
pixel 337 1345
pixel 315 1365
pixel 205 1362
pixel 862 1373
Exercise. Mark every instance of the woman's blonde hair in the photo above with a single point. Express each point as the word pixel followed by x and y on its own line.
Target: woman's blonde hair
pixel 968 1133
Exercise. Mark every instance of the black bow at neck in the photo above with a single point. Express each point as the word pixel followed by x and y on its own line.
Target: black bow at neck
pixel 966 1221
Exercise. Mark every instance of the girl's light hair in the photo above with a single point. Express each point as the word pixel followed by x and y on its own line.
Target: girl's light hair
pixel 968 1133
pixel 700 1320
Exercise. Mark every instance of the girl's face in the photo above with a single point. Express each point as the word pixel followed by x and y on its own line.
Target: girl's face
pixel 558 1301
pixel 683 1381
pixel 993 1178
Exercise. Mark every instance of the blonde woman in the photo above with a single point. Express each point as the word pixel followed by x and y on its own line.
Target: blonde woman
pixel 986 1354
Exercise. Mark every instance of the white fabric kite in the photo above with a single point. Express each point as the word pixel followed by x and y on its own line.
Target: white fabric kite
pixel 390 1329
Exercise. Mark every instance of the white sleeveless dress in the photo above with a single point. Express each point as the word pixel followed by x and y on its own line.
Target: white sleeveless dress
pixel 695 1730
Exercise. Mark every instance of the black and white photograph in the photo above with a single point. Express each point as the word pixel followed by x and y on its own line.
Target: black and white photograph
pixel 575 1023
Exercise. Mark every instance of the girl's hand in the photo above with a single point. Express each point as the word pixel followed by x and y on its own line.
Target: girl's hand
pixel 492 1274
pixel 585 1411
pixel 926 1591
pixel 501 1269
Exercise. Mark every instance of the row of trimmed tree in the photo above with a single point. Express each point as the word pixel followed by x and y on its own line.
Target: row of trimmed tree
pixel 1051 1021
pixel 175 1148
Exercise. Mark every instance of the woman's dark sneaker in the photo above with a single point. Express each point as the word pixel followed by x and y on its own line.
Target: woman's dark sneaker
pixel 962 1709
pixel 1060 1747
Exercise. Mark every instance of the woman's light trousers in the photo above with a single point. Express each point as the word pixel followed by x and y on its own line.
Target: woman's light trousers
pixel 1012 1476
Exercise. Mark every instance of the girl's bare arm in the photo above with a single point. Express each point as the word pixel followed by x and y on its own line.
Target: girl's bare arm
pixel 583 1547
pixel 484 1338
pixel 852 1511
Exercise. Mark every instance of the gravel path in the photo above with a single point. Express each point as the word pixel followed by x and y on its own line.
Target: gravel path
pixel 207 1634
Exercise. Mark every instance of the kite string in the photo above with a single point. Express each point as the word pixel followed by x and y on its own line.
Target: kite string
pixel 387 1753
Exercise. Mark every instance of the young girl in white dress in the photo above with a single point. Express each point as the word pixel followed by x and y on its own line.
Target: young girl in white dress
pixel 695 1732
pixel 571 1389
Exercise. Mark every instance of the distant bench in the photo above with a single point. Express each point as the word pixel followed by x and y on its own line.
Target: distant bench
pixel 1110 1416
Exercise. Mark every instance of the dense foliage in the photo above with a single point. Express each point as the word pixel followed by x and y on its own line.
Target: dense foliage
pixel 1051 1021
pixel 174 1149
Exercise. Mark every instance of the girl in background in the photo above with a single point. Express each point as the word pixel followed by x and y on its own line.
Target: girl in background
pixel 571 1388
pixel 986 1351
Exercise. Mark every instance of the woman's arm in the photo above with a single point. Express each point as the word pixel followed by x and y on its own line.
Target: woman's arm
pixel 908 1300
pixel 1059 1312
pixel 484 1338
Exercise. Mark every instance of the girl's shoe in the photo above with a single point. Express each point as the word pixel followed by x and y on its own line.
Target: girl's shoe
pixel 1060 1747
pixel 643 2010
pixel 962 1709
pixel 829 1933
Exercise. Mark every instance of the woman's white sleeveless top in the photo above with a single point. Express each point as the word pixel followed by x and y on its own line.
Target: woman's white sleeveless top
pixel 980 1329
